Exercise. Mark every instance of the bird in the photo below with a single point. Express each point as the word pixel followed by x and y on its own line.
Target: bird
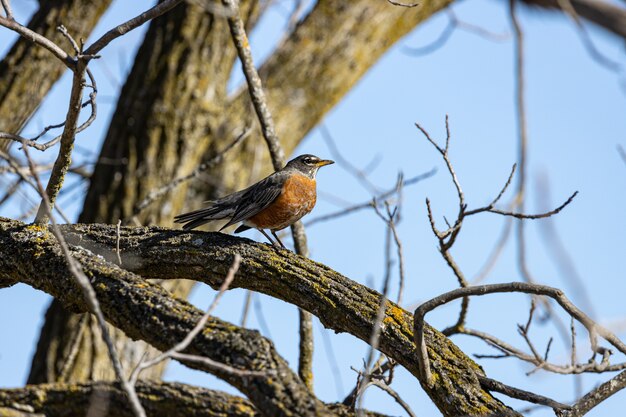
pixel 274 203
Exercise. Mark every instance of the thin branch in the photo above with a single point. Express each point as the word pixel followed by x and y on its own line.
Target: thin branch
pixel 523 215
pixel 131 24
pixel 594 329
pixel 32 142
pixel 585 38
pixel 386 388
pixel 6 5
pixel 332 361
pixel 497 386
pixel 508 351
pixel 597 395
pixel 39 40
pixel 366 376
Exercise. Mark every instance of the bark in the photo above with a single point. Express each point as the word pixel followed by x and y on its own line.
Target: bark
pixel 28 72
pixel 148 312
pixel 340 304
pixel 107 399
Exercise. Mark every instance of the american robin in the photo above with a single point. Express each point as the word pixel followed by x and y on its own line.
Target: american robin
pixel 273 203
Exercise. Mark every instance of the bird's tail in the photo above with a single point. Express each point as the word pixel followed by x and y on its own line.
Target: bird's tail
pixel 199 217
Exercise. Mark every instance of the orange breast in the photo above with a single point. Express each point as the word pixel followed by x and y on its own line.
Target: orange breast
pixel 297 199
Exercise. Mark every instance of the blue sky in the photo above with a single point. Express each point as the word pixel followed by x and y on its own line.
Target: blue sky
pixel 576 121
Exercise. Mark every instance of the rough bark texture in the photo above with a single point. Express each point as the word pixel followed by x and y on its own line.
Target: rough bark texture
pixel 28 72
pixel 107 399
pixel 144 311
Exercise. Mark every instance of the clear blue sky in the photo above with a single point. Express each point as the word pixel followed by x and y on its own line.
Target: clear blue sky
pixel 576 111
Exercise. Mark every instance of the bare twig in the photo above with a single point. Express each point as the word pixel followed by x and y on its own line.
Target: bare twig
pixel 593 328
pixel 391 218
pixel 448 237
pixel 332 362
pixel 383 386
pixel 42 41
pixel 596 396
pixel 369 372
pixel 585 38
pixel 131 24
pixel 246 308
pixel 32 142
pixel 255 86
pixel 508 351
pixel 6 5
pixel 520 196
pixel 497 386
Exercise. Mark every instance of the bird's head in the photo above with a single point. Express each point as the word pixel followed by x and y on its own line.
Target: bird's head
pixel 308 164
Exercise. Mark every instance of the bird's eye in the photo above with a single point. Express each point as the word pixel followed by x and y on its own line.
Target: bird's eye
pixel 308 161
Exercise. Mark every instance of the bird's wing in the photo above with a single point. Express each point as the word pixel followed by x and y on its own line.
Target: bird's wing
pixel 258 197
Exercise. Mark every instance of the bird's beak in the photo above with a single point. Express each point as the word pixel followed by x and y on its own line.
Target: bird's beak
pixel 325 162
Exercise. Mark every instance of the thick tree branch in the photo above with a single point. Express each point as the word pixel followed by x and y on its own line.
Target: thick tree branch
pixel 148 312
pixel 159 400
pixel 341 304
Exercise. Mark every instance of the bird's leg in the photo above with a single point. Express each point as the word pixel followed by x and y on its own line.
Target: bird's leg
pixel 268 237
pixel 277 239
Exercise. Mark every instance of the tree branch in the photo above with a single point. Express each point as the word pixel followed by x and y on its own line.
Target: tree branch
pixel 148 312
pixel 341 304
pixel 159 400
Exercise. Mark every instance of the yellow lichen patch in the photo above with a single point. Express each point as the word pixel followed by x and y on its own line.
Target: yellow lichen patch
pixel 395 315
